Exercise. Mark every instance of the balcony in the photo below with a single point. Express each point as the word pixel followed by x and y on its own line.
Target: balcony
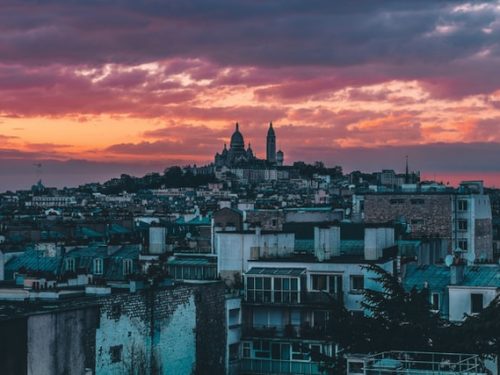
pixel 292 298
pixel 270 366
pixel 303 331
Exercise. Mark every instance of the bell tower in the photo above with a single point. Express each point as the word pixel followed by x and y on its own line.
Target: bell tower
pixel 271 145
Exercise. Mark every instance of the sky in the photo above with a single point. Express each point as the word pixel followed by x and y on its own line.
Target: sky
pixel 91 89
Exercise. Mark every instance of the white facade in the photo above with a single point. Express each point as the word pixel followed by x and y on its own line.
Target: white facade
pixel 235 249
pixel 461 300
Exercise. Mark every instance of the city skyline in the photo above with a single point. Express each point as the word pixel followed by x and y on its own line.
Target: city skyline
pixel 92 91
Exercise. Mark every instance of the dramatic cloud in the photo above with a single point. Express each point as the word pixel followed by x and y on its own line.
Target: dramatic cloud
pixel 126 80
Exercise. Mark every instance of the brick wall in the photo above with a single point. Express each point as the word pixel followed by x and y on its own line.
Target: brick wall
pixel 428 215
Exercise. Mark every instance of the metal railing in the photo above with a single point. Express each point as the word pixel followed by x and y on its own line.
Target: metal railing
pixel 273 366
pixel 401 362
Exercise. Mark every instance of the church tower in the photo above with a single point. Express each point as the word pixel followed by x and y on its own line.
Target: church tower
pixel 271 145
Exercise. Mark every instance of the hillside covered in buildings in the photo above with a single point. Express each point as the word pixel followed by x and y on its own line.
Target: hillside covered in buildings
pixel 250 266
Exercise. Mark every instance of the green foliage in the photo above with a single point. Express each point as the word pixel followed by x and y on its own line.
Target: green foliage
pixel 396 319
pixel 402 320
pixel 173 177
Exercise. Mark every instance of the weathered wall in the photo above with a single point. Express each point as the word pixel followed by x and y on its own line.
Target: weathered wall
pixel 166 331
pixel 61 342
pixel 211 330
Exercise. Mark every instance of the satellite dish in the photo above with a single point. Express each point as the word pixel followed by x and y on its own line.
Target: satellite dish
pixel 471 257
pixel 448 260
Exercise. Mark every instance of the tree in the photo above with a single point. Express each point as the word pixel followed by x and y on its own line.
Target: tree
pixel 478 334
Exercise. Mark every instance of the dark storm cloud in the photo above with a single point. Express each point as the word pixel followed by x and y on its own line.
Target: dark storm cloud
pixel 242 32
pixel 433 41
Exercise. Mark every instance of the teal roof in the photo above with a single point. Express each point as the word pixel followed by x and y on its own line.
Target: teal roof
pixel 190 262
pixel 200 221
pixel 276 271
pixel 486 275
pixel 438 276
pixel 87 232
pixel 33 260
pixel 118 229
pixel 408 248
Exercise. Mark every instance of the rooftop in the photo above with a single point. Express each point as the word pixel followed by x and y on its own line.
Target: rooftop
pixel 438 276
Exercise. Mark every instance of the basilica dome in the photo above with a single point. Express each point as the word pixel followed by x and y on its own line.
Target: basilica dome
pixel 237 142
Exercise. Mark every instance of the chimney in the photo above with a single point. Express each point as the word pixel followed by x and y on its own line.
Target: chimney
pixel 457 271
pixel 326 242
pixel 371 244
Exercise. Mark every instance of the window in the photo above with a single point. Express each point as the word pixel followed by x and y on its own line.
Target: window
pixel 246 350
pixel 435 301
pixel 262 349
pixel 127 267
pixel 234 352
pixel 417 201
pixel 300 352
pixel 280 351
pixel 463 205
pixel 259 289
pixel 277 289
pixel 70 264
pixel 327 283
pixel 463 244
pixel 98 266
pixel 115 352
pixel 319 282
pixel 476 303
pixel 320 319
pixel 234 317
pixel 396 201
pixel 462 224
pixel 357 283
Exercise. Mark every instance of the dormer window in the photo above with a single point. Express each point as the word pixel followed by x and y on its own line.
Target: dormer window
pixel 70 264
pixel 98 266
pixel 127 267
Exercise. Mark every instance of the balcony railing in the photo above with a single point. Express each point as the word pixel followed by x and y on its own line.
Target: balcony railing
pixel 291 298
pixel 272 366
pixel 289 331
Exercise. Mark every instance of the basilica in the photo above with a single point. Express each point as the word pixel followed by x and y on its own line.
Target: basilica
pixel 238 156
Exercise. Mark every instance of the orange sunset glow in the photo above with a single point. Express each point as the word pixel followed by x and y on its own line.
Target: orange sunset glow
pixel 101 89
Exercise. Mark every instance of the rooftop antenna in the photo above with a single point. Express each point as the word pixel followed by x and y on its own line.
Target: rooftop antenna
pixel 407 172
